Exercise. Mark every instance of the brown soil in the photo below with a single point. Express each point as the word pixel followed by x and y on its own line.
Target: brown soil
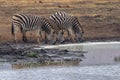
pixel 100 18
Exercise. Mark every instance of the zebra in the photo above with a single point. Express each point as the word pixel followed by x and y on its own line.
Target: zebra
pixel 69 23
pixel 27 22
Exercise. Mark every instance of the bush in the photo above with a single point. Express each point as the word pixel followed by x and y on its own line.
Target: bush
pixel 32 55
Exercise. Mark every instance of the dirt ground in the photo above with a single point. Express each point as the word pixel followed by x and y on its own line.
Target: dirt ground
pixel 100 19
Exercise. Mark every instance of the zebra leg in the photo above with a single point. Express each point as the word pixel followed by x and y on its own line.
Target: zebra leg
pixel 54 38
pixel 24 36
pixel 60 36
pixel 79 37
pixel 70 35
pixel 15 38
pixel 76 38
pixel 43 37
pixel 49 39
pixel 15 31
pixel 46 39
pixel 38 36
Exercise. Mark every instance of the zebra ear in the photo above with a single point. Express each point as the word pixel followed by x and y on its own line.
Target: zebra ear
pixel 76 18
pixel 82 32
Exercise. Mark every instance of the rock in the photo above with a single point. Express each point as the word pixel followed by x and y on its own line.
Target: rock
pixel 43 51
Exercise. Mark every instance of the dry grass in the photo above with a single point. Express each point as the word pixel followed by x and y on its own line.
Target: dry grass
pixel 99 18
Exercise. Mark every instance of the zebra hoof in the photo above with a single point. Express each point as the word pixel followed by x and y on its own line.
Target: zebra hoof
pixel 62 42
pixel 46 42
pixel 81 40
pixel 24 40
pixel 53 43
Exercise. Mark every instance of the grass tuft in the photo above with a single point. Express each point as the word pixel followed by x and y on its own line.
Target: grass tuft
pixel 32 55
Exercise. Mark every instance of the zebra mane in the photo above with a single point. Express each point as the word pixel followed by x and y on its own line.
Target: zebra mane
pixel 77 28
pixel 52 23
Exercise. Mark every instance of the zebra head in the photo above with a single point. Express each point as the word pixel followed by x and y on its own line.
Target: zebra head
pixel 77 28
pixel 49 31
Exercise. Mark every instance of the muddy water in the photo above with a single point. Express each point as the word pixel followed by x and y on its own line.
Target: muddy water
pixel 98 53
pixel 101 62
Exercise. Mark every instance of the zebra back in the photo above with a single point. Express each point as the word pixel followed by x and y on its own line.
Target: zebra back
pixel 59 18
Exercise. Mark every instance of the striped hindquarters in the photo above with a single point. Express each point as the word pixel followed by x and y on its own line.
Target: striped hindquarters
pixel 30 22
pixel 26 22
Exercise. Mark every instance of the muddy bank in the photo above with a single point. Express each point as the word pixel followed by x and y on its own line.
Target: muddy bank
pixel 29 53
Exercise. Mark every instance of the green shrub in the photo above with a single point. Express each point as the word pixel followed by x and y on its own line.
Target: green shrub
pixel 32 55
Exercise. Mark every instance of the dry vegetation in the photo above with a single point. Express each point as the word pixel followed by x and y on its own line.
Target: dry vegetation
pixel 100 18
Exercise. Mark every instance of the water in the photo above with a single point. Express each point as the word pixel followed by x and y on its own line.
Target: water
pixel 101 62
pixel 106 72
pixel 97 53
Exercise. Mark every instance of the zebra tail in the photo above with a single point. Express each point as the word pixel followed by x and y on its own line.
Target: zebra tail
pixel 12 29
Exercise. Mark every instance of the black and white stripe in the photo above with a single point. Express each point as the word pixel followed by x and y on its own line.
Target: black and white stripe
pixel 26 23
pixel 67 22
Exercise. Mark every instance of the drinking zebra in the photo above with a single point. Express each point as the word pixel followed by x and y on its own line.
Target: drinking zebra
pixel 26 23
pixel 69 23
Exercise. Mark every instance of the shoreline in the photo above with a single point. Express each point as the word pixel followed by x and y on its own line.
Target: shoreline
pixel 77 44
pixel 25 55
